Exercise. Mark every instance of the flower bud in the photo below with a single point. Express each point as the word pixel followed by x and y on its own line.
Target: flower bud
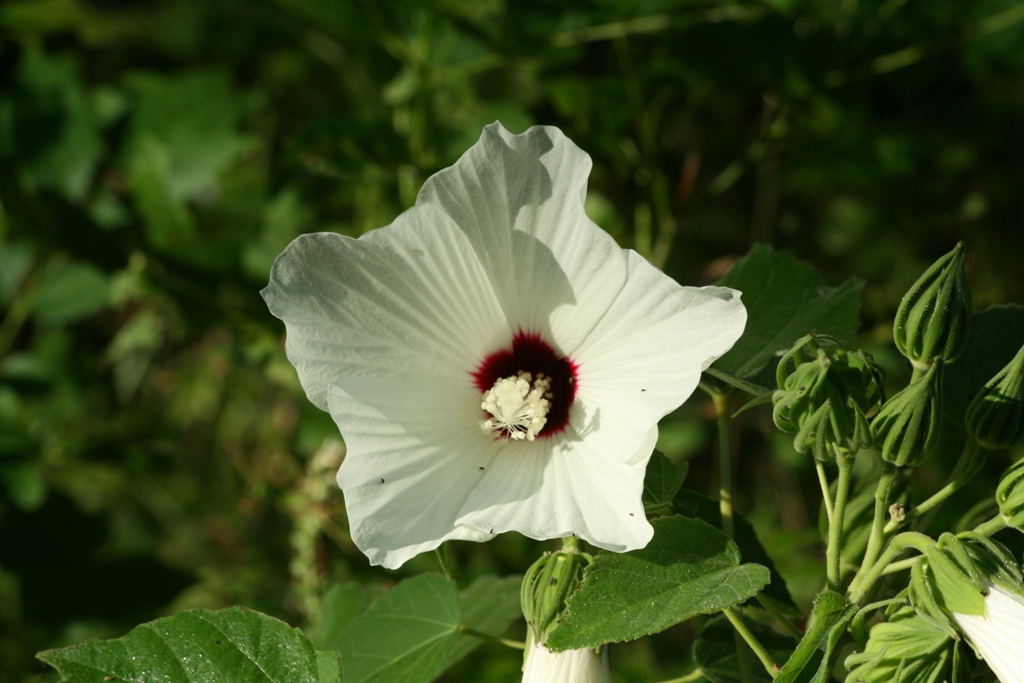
pixel 824 396
pixel 995 417
pixel 1010 495
pixel 548 583
pixel 935 315
pixel 906 429
pixel 908 647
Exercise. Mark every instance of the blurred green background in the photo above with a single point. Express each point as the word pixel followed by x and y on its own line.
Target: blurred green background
pixel 156 451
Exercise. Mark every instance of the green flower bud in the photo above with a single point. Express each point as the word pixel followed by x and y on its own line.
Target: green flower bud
pixel 824 396
pixel 907 647
pixel 548 583
pixel 995 417
pixel 1010 495
pixel 906 429
pixel 954 575
pixel 935 315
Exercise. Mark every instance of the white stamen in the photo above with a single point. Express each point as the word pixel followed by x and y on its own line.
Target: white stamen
pixel 518 406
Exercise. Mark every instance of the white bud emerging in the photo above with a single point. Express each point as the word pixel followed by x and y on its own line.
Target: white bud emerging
pixel 572 666
pixel 997 635
pixel 518 406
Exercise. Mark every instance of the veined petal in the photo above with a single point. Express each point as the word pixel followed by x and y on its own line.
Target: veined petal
pixel 407 301
pixel 519 200
pixel 645 357
pixel 565 485
pixel 999 633
pixel 415 454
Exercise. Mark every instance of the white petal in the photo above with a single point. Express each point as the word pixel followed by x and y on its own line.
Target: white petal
pixel 646 355
pixel 999 634
pixel 407 301
pixel 564 485
pixel 572 666
pixel 415 452
pixel 519 199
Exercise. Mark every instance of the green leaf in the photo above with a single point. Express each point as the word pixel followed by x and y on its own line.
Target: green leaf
pixel 341 605
pixel 785 299
pixel 662 480
pixel 811 661
pixel 198 646
pixel 69 292
pixel 715 651
pixel 489 605
pixel 693 504
pixel 996 335
pixel 407 636
pixel 688 568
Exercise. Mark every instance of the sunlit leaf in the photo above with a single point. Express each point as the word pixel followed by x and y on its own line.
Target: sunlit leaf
pixel 688 568
pixel 785 299
pixel 406 637
pixel 198 646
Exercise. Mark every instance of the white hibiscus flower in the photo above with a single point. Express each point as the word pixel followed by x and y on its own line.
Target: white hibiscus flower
pixel 572 666
pixel 998 635
pixel 494 360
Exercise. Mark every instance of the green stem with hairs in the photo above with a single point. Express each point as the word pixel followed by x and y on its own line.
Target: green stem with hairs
pixel 990 527
pixel 908 539
pixel 692 677
pixel 492 639
pixel 835 529
pixel 970 463
pixel 877 536
pixel 826 495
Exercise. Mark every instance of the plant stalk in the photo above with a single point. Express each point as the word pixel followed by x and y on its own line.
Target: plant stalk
pixel 835 529
pixel 721 402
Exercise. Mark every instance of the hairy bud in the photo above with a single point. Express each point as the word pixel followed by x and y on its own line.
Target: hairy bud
pixel 906 429
pixel 995 417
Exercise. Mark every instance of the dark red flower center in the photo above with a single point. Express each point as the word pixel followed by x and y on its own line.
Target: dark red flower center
pixel 530 353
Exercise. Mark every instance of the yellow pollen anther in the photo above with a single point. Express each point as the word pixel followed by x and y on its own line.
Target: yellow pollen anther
pixel 518 406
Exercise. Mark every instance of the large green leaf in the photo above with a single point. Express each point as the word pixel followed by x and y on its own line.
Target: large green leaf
pixel 489 605
pixel 693 504
pixel 406 637
pixel 785 299
pixel 996 336
pixel 688 568
pixel 810 662
pixel 199 646
pixel 342 604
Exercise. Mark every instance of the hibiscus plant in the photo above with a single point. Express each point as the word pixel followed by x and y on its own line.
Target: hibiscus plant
pixel 496 363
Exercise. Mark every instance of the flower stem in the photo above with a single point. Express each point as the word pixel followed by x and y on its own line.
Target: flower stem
pixel 692 677
pixel 970 463
pixel 760 650
pixel 835 529
pixel 877 536
pixel 724 463
pixel 570 544
pixel 899 566
pixel 826 495
pixel 993 525
pixel 908 539
pixel 492 639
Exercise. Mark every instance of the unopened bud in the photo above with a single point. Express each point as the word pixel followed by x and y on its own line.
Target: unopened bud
pixel 1010 496
pixel 906 429
pixel 548 583
pixel 824 396
pixel 935 315
pixel 995 417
